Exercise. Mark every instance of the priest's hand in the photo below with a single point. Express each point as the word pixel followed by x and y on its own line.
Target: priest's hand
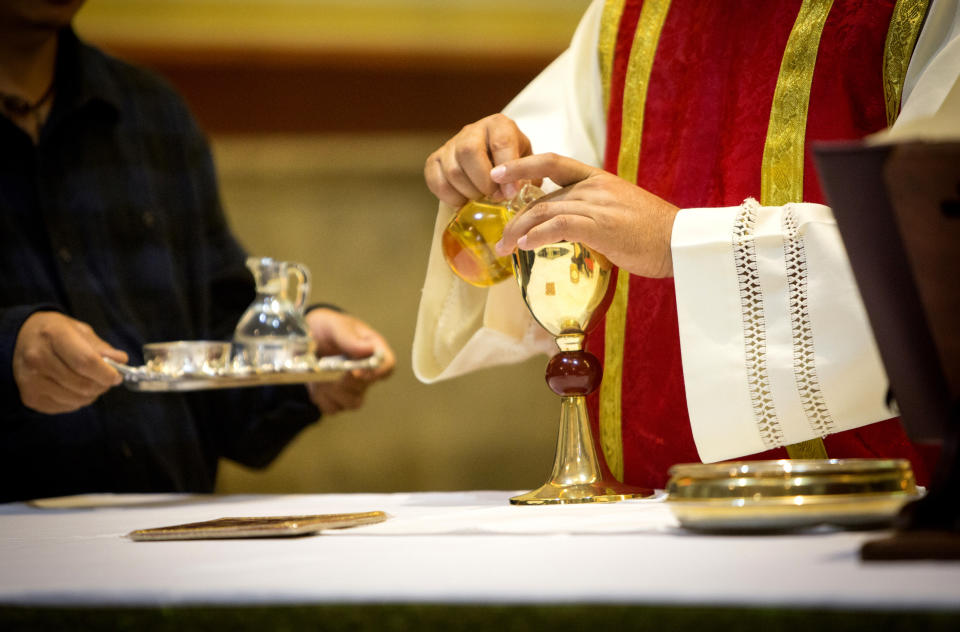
pixel 58 363
pixel 460 170
pixel 625 223
pixel 335 334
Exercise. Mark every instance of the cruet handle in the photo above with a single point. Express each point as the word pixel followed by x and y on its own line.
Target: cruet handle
pixel 302 275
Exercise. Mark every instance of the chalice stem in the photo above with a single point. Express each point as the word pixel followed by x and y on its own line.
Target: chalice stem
pixel 576 476
pixel 576 457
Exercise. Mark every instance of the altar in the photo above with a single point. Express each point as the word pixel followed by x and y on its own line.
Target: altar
pixel 446 560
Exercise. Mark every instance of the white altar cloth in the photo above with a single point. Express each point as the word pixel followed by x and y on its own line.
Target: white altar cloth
pixel 444 547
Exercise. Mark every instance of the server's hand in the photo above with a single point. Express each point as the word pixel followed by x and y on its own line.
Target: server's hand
pixel 335 334
pixel 58 363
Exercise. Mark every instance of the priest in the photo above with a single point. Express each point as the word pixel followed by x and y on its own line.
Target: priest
pixel 678 136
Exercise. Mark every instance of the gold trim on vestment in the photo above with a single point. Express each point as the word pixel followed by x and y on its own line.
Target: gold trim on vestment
pixel 810 449
pixel 611 430
pixel 609 27
pixel 649 25
pixel 645 40
pixel 905 24
pixel 781 176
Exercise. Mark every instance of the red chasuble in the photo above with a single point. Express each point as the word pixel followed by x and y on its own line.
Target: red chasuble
pixel 708 103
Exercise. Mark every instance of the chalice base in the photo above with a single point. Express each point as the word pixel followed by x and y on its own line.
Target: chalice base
pixel 599 492
pixel 577 476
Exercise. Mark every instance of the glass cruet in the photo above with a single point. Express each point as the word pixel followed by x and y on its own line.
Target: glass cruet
pixel 273 333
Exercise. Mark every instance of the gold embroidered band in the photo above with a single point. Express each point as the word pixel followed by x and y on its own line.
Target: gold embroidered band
pixel 905 23
pixel 644 47
pixel 609 27
pixel 781 176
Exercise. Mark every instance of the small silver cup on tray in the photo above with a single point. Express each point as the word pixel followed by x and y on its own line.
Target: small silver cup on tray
pixel 269 354
pixel 204 358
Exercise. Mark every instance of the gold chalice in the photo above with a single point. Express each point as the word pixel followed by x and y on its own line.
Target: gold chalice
pixel 566 286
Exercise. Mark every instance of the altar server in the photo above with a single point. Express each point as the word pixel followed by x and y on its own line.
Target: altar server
pixel 112 236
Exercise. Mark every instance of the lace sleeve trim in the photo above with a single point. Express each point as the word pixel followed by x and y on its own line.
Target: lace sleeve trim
pixel 754 325
pixel 804 357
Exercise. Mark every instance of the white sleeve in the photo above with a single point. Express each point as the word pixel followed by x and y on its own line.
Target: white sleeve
pixel 461 328
pixel 774 338
pixel 775 341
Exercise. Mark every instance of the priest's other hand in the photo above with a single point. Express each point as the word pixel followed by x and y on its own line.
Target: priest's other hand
pixel 336 333
pixel 627 224
pixel 460 170
pixel 58 363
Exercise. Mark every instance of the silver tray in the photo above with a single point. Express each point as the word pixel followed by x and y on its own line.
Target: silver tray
pixel 325 369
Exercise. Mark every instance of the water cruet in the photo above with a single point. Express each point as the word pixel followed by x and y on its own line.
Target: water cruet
pixel 272 334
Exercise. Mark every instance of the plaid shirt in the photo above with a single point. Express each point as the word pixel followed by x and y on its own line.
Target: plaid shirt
pixel 113 218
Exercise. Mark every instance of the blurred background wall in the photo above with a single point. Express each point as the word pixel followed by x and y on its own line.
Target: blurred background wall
pixel 320 114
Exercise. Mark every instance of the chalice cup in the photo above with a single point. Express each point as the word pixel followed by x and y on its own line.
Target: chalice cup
pixel 566 286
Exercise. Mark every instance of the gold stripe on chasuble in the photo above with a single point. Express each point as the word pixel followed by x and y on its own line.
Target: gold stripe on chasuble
pixel 609 26
pixel 905 23
pixel 781 177
pixel 644 47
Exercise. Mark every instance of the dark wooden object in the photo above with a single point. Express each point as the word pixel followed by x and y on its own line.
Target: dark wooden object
pixel 897 210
